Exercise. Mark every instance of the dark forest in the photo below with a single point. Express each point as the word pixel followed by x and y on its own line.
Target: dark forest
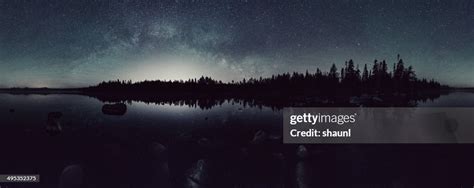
pixel 349 80
pixel 350 85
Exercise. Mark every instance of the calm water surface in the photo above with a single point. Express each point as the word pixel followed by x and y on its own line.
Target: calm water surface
pixel 172 145
pixel 455 99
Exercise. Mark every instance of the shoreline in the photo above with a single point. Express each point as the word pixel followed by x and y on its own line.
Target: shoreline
pixel 151 93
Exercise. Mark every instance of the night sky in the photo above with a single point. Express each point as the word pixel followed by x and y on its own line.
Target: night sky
pixel 73 43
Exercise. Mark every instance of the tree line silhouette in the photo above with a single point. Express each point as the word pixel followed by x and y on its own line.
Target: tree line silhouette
pixel 350 80
pixel 347 86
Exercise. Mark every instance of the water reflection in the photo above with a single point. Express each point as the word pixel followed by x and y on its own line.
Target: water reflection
pixel 277 103
pixel 454 99
pixel 198 143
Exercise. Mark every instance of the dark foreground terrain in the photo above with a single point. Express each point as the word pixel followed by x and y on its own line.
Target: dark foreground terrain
pixel 224 157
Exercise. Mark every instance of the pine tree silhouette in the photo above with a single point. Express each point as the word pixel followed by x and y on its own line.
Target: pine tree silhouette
pixel 350 82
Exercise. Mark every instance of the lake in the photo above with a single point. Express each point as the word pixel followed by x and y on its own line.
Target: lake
pixel 182 144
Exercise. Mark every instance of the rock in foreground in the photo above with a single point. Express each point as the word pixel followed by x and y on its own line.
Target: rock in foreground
pixel 117 109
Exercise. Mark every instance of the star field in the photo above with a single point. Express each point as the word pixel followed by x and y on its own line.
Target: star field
pixel 52 43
